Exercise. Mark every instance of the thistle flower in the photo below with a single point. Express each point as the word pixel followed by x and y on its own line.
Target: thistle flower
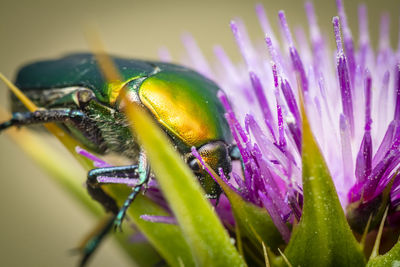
pixel 318 134
pixel 355 132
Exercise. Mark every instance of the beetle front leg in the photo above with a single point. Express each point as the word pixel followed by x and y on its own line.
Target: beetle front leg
pixel 44 116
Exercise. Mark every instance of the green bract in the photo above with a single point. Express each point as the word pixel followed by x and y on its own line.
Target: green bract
pixel 323 236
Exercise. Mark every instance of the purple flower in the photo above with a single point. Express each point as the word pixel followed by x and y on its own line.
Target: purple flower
pixel 351 96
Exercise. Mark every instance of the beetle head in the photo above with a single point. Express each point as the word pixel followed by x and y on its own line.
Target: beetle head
pixel 216 155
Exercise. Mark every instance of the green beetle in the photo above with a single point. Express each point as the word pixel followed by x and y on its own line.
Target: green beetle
pixel 77 97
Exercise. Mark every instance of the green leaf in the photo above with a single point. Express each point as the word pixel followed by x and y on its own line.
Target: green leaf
pixel 254 222
pixel 390 259
pixel 209 242
pixel 323 236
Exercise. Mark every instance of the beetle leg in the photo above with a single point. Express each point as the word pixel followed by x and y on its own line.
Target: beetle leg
pixel 97 193
pixel 94 239
pixel 44 116
pixel 234 152
pixel 144 174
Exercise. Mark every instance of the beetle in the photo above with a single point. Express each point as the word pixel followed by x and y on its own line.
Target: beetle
pixel 183 103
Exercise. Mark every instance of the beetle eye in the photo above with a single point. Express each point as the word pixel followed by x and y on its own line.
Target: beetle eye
pixel 194 165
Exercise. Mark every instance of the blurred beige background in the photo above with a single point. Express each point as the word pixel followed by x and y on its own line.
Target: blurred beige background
pixel 39 223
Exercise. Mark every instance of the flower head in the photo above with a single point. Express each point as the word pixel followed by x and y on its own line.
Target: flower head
pixel 352 102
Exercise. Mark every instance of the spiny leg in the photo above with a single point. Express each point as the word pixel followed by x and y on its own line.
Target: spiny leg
pixel 97 193
pixel 94 239
pixel 73 109
pixel 108 202
pixel 44 116
pixel 144 173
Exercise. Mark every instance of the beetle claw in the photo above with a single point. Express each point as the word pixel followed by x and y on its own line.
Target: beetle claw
pixel 118 225
pixel 89 246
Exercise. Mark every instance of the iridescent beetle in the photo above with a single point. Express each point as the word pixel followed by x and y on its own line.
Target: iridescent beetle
pixel 76 96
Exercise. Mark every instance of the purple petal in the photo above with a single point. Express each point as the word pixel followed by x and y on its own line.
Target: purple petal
pixel 197 57
pixel 397 88
pixel 276 218
pixel 364 156
pixel 294 55
pixel 262 101
pixel 97 161
pixel 348 41
pixel 262 18
pixel 117 180
pixel 344 82
pixel 158 219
